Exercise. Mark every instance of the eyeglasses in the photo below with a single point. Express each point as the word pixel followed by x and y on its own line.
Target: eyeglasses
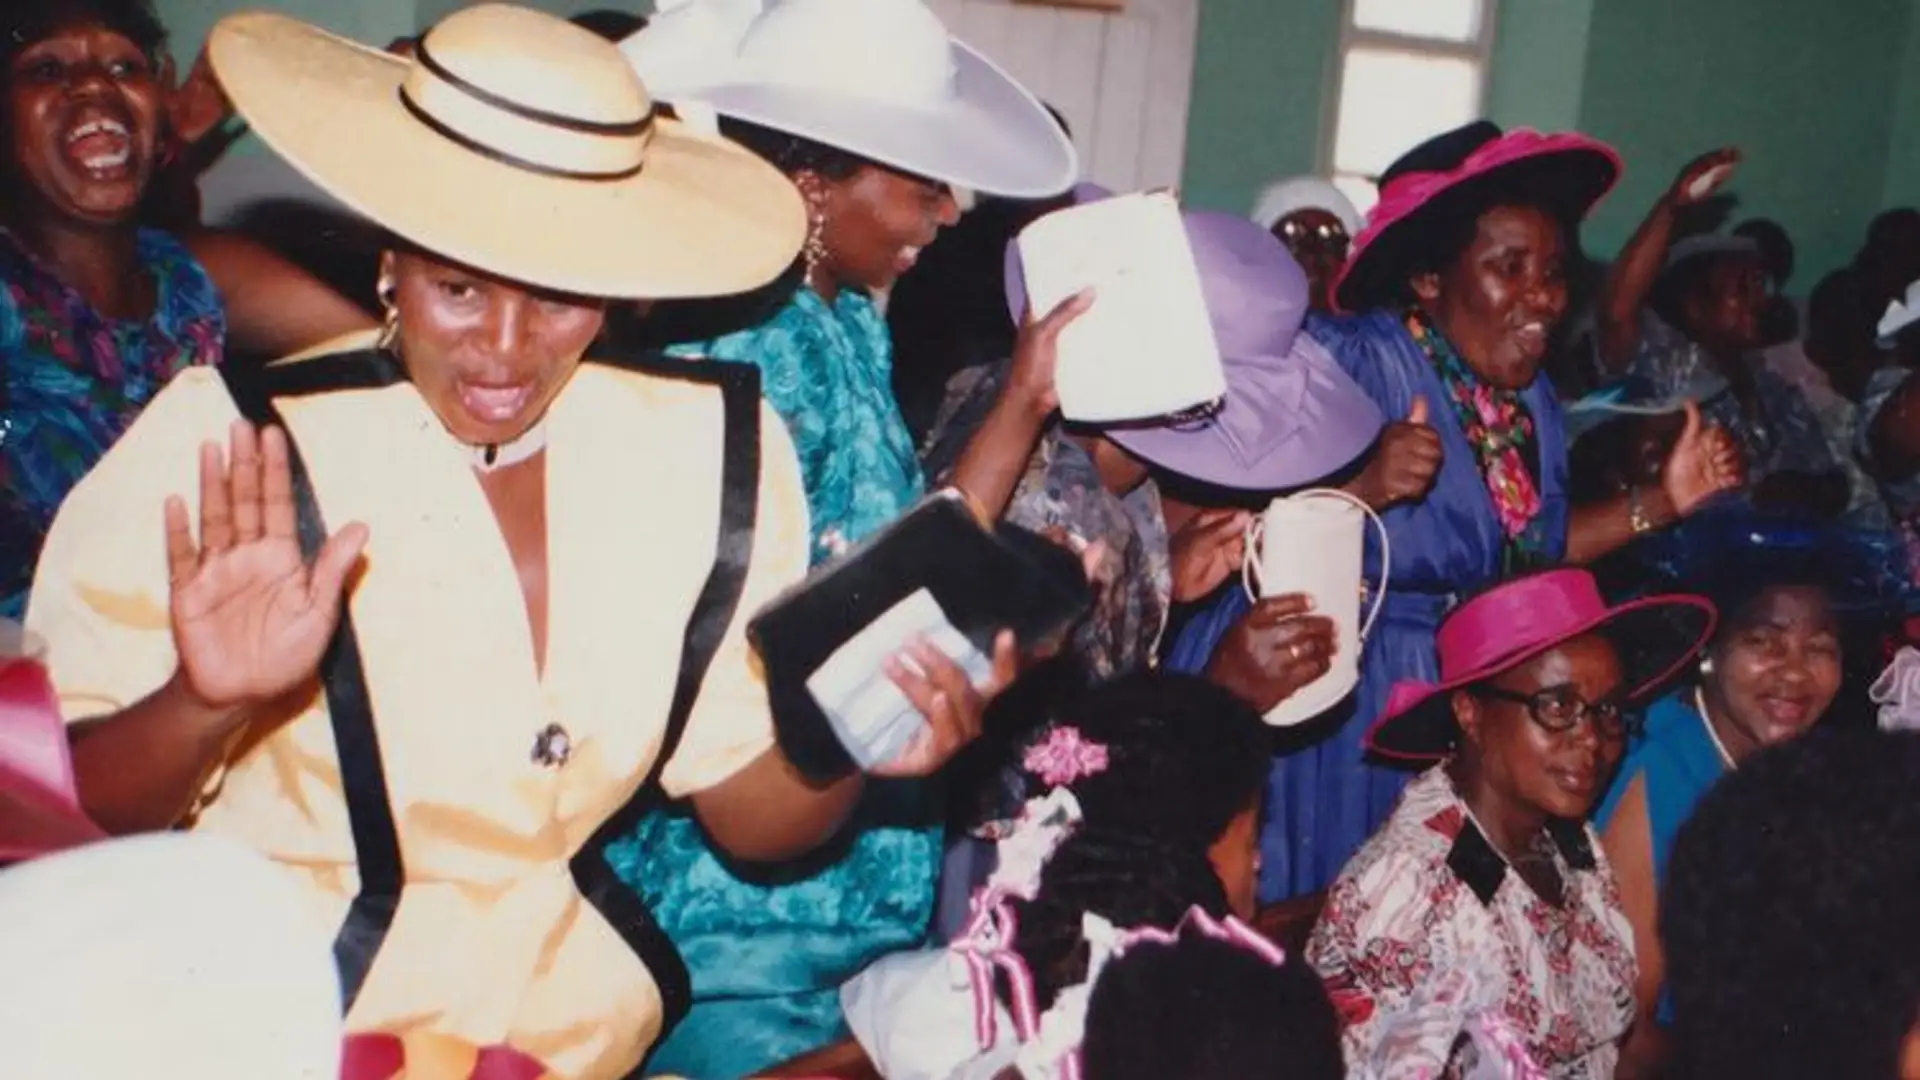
pixel 1322 236
pixel 1560 709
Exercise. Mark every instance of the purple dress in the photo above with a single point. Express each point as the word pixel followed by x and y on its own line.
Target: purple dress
pixel 1324 799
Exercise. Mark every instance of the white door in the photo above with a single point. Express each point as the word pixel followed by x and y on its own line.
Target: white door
pixel 1123 81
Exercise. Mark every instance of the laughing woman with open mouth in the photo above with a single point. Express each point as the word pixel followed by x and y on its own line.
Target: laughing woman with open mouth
pixel 96 313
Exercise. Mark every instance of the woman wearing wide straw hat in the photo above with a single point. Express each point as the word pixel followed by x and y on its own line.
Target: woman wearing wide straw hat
pixel 546 632
pixel 877 115
pixel 1459 280
pixel 1488 865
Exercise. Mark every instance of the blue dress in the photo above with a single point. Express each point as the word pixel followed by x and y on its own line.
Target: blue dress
pixel 72 380
pixel 1325 800
pixel 1679 761
pixel 767 960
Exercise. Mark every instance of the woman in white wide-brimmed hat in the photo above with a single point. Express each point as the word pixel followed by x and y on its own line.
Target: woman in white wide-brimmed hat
pixel 877 115
pixel 546 633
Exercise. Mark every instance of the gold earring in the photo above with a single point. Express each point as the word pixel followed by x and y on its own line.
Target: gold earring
pixel 815 252
pixel 390 318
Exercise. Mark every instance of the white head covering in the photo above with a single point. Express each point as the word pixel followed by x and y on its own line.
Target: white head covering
pixel 1284 197
pixel 1901 313
pixel 878 78
pixel 166 956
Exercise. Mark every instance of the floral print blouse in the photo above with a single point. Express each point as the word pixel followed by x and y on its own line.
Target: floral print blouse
pixel 1429 896
pixel 1062 489
pixel 74 379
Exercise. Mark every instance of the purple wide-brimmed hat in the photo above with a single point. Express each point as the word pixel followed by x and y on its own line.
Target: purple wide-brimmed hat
pixel 1290 416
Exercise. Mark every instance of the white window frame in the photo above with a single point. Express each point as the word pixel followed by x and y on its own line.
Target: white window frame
pixel 1478 52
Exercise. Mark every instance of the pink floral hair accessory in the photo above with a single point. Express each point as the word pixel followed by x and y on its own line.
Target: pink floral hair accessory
pixel 1065 756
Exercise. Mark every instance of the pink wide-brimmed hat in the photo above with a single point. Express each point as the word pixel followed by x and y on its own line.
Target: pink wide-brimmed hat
pixel 1517 620
pixel 1567 170
pixel 39 801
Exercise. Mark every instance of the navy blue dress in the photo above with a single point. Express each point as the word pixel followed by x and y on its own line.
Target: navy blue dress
pixel 1325 800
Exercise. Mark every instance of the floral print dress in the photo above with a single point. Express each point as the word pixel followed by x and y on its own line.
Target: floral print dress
pixel 1429 897
pixel 74 379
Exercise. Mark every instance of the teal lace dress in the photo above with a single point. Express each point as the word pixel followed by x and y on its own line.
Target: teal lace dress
pixel 768 958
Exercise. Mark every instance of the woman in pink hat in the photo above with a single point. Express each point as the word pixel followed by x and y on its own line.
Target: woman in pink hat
pixel 1487 865
pixel 1459 281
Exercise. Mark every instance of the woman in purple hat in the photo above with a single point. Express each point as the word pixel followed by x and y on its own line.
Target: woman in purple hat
pixel 1460 281
pixel 1290 417
pixel 1483 917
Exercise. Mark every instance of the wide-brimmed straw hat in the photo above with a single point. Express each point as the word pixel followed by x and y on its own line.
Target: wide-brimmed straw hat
pixel 519 144
pixel 1291 415
pixel 881 79
pixel 1512 623
pixel 1568 170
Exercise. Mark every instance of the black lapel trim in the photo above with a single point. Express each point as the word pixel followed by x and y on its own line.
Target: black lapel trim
pixel 1475 862
pixel 1571 838
pixel 376 840
pixel 713 614
pixel 363 776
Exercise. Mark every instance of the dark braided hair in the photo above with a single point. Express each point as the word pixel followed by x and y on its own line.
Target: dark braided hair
pixel 1185 757
pixel 1791 908
pixel 1205 1009
pixel 1127 878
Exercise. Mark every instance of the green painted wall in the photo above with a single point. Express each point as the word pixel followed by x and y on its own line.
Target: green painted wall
pixel 1825 98
pixel 1264 68
pixel 1539 65
pixel 1902 186
pixel 377 21
pixel 1805 89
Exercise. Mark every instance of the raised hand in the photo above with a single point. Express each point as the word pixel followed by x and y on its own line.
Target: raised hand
pixel 197 106
pixel 1206 551
pixel 1404 465
pixel 1273 651
pixel 250 617
pixel 1704 176
pixel 1703 463
pixel 955 708
pixel 1036 353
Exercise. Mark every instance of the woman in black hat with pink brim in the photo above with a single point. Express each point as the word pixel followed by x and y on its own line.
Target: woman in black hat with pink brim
pixel 1458 283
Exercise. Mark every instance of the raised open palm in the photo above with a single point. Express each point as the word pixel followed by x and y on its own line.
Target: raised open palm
pixel 250 616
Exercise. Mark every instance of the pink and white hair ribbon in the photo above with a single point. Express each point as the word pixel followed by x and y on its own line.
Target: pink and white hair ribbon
pixel 987 944
pixel 1053 1053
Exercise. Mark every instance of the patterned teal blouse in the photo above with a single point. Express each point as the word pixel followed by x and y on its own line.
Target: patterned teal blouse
pixel 72 380
pixel 768 959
